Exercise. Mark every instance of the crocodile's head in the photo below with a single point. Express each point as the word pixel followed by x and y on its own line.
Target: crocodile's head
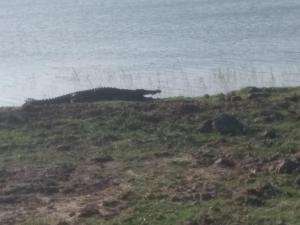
pixel 148 92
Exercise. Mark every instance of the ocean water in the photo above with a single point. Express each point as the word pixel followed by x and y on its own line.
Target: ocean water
pixel 184 47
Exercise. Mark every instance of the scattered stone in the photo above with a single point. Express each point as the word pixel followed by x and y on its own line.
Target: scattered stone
pixel 287 166
pixel 223 162
pixel 227 124
pixel 89 210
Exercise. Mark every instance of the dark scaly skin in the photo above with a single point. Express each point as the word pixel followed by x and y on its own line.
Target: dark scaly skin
pixel 97 94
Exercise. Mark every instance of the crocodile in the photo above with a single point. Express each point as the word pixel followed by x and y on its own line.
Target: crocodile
pixel 96 94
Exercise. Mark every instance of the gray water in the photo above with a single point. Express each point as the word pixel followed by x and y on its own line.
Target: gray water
pixel 184 47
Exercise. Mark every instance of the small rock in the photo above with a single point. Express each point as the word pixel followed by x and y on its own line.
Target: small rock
pixel 223 162
pixel 227 124
pixel 89 210
pixel 287 166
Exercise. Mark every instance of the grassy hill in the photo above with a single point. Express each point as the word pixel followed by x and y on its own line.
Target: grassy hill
pixel 216 160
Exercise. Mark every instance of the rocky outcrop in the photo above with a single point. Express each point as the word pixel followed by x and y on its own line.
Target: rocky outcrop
pixel 225 124
pixel 228 124
pixel 287 165
pixel 97 94
pixel 224 162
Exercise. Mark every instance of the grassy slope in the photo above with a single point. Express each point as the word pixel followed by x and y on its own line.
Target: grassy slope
pixel 161 167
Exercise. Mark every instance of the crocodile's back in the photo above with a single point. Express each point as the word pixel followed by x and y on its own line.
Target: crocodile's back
pixel 97 94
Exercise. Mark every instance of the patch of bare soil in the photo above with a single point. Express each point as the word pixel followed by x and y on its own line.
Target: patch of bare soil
pixel 61 192
pixel 200 184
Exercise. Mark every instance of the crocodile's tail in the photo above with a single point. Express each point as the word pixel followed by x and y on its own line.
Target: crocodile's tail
pixel 57 100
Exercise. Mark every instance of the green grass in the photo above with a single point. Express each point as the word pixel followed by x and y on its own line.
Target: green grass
pixel 135 134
